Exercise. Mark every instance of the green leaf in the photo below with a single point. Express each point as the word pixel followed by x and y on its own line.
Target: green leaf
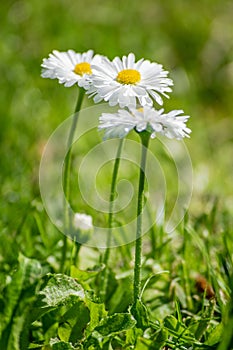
pixel 35 347
pixel 160 339
pixel 18 296
pixel 60 289
pixel 61 296
pixel 97 312
pixel 143 344
pixel 82 275
pixel 50 329
pixel 178 330
pixel 46 239
pixel 205 320
pixel 77 317
pixel 60 345
pixel 64 331
pixel 132 335
pixel 121 294
pixel 139 312
pixel 115 324
pixel 15 331
pixel 215 336
pixel 171 323
pixel 28 272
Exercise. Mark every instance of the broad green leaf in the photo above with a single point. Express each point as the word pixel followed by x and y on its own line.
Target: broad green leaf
pixel 115 324
pixel 97 312
pixel 58 292
pixel 60 289
pixel 215 335
pixel 77 317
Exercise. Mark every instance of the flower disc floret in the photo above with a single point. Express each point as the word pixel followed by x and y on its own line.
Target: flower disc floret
pixel 128 76
pixel 82 68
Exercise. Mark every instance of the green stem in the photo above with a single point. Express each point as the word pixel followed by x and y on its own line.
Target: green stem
pixel 76 255
pixel 152 235
pixel 145 137
pixel 111 199
pixel 67 169
pixel 110 216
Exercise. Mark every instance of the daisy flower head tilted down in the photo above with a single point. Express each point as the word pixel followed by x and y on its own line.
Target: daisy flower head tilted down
pixel 171 124
pixel 83 222
pixel 70 67
pixel 83 227
pixel 126 83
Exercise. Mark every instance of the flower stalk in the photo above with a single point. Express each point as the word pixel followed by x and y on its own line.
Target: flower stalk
pixel 110 215
pixel 112 198
pixel 145 137
pixel 66 184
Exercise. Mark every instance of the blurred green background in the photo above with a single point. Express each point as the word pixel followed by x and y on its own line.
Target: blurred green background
pixel 192 39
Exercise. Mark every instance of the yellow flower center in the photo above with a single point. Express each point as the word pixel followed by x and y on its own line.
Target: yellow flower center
pixel 128 76
pixel 83 68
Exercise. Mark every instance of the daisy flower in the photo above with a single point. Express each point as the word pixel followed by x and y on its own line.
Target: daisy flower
pixel 124 82
pixel 170 124
pixel 70 67
pixel 83 222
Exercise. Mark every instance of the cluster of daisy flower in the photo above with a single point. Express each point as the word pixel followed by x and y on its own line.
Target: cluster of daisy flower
pixel 132 85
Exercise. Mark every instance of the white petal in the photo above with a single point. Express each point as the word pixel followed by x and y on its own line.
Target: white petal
pixel 61 65
pixel 153 83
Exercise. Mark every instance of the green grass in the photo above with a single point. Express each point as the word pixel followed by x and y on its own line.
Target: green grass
pixel 44 309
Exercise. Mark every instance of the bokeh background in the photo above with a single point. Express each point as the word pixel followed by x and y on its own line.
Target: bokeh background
pixel 192 39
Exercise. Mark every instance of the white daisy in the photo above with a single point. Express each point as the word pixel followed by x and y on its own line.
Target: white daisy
pixel 170 124
pixel 124 82
pixel 83 222
pixel 70 67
